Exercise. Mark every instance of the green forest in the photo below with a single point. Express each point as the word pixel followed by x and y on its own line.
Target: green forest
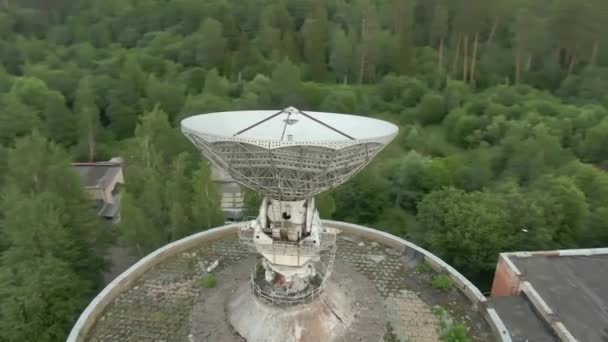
pixel 502 108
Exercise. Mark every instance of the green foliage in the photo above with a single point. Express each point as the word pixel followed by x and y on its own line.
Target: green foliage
pixel 42 297
pixel 442 282
pixel 592 145
pixel 89 125
pixel 362 201
pixel 450 331
pixel 16 119
pixel 208 45
pixel 340 101
pixel 431 109
pixel 395 221
pixel 170 194
pixel 325 205
pixel 501 147
pixel 341 56
pixel 465 229
pixel 208 281
pixel 424 268
pixel 285 83
pixel 252 201
pixel 45 281
pixel 457 333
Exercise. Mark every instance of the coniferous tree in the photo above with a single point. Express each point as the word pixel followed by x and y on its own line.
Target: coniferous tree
pixel 89 126
pixel 315 35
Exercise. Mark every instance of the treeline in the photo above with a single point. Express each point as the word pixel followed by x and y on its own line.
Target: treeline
pixel 482 42
pixel 501 105
pixel 477 173
pixel 51 245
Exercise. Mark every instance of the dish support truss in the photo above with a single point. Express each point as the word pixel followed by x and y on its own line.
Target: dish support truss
pixel 288 173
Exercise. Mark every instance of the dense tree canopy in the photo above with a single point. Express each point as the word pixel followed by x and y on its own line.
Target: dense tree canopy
pixel 501 107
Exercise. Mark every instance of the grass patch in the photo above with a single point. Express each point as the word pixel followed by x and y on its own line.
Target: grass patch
pixel 451 331
pixel 424 268
pixel 159 316
pixel 456 333
pixel 442 282
pixel 208 281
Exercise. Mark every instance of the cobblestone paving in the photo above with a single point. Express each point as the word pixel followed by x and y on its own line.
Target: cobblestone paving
pixel 411 318
pixel 157 306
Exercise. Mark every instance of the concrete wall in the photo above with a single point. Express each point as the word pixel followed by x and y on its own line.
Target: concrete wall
pixel 506 278
pixel 123 282
pixel 96 194
pixel 105 194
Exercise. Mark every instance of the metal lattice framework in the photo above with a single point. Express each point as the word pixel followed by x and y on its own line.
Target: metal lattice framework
pixel 326 265
pixel 290 170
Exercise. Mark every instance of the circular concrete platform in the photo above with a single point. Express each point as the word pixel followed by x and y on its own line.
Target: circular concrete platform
pixel 350 309
pixel 384 292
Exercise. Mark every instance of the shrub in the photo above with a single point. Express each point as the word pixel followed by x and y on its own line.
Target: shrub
pixel 208 281
pixel 456 333
pixel 424 268
pixel 450 331
pixel 442 282
pixel 431 109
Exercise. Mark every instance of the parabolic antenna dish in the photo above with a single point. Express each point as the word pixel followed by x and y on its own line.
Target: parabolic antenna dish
pixel 289 155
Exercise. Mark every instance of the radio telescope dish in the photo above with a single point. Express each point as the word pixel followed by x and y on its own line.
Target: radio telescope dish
pixel 288 155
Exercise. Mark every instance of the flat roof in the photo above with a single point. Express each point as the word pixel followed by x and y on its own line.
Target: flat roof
pixel 575 287
pixel 519 317
pixel 97 175
pixel 160 303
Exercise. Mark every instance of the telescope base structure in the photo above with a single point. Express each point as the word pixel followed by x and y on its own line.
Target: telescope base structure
pixel 297 252
pixel 343 312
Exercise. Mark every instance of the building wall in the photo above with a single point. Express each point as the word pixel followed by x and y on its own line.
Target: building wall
pixel 96 194
pixel 105 194
pixel 118 179
pixel 506 281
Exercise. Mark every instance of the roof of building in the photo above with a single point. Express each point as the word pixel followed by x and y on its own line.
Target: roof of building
pixel 99 174
pixel 568 290
pixel 110 210
pixel 163 301
pixel 518 314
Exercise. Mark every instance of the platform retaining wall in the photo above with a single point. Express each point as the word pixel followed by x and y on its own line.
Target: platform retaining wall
pixel 124 281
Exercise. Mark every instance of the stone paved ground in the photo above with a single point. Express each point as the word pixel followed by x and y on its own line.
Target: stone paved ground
pixel 411 318
pixel 158 306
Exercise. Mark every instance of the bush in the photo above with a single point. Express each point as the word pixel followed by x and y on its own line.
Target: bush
pixel 208 281
pixel 455 94
pixel 340 101
pixel 431 109
pixel 404 90
pixel 442 282
pixel 456 333
pixel 424 268
pixel 450 331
